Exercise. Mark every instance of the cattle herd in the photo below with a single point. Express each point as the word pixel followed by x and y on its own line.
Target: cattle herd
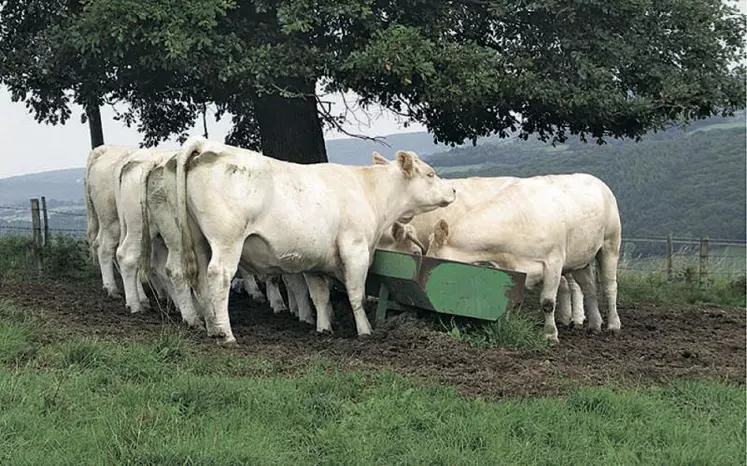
pixel 190 220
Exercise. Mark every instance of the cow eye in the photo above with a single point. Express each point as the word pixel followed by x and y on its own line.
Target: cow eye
pixel 431 174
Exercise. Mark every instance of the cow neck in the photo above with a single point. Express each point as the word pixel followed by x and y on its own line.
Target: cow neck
pixel 385 188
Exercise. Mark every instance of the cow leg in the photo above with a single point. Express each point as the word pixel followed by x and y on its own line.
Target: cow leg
pixel 128 254
pixel 181 292
pixel 355 260
pixel 550 284
pixel 607 259
pixel 588 287
pixel 289 286
pixel 273 294
pixel 107 240
pixel 297 288
pixel 220 270
pixel 577 302
pixel 292 303
pixel 237 285
pixel 319 291
pixel 564 302
pixel 252 288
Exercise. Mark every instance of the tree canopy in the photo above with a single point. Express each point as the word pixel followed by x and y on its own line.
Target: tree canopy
pixel 592 68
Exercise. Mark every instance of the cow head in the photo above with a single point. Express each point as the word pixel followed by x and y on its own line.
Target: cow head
pixel 424 190
pixel 402 238
pixel 437 240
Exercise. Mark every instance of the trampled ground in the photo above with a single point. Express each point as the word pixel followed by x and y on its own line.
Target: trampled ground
pixel 656 344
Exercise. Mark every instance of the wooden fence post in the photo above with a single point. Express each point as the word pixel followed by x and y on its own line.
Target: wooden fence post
pixel 45 217
pixel 703 262
pixel 670 254
pixel 37 235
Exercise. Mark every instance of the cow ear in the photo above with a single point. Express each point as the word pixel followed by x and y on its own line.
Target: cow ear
pixel 398 231
pixel 379 159
pixel 406 162
pixel 441 232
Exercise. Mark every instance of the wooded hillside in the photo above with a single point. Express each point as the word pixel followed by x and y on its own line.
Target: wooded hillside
pixel 691 184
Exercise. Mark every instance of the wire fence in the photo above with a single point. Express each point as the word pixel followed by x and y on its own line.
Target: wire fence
pixel 17 220
pixel 674 256
pixel 691 259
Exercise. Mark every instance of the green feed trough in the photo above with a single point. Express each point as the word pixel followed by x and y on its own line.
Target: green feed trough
pixel 406 281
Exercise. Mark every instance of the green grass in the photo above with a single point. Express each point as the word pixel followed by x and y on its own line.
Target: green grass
pixel 66 399
pixel 655 288
pixel 520 331
pixel 66 257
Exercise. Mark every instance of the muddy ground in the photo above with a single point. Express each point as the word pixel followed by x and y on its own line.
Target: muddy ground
pixel 656 343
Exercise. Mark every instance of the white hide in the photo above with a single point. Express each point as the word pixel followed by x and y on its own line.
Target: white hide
pixel 102 220
pixel 285 218
pixel 473 191
pixel 159 226
pixel 154 247
pixel 544 226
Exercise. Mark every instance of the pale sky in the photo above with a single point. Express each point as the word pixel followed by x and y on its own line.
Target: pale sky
pixel 32 147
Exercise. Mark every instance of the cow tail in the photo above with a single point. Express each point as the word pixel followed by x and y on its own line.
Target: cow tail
pixel 92 220
pixel 191 147
pixel 144 261
pixel 119 169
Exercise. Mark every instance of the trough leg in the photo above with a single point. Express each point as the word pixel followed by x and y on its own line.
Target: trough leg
pixel 381 307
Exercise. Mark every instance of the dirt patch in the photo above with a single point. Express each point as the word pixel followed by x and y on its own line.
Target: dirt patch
pixel 656 344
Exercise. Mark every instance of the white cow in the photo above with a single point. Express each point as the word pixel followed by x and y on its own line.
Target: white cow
pixel 544 226
pixel 159 215
pixel 473 191
pixel 102 222
pixel 145 195
pixel 278 217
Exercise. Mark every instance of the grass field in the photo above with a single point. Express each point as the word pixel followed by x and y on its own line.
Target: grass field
pixel 68 399
pixel 69 396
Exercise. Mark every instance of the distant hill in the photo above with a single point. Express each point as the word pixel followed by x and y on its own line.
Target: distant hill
pixel 689 183
pixel 67 185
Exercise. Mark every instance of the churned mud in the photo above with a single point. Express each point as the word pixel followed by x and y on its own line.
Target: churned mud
pixel 656 343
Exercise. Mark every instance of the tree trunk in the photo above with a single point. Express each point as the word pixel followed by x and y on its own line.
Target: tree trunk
pixel 93 113
pixel 290 128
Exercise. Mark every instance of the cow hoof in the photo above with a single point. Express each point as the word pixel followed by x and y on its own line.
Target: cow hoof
pixel 195 324
pixel 553 339
pixel 325 331
pixel 134 310
pixel 613 330
pixel 594 330
pixel 258 298
pixel 574 325
pixel 227 343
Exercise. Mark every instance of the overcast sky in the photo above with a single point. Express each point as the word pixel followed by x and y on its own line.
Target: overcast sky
pixel 32 147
